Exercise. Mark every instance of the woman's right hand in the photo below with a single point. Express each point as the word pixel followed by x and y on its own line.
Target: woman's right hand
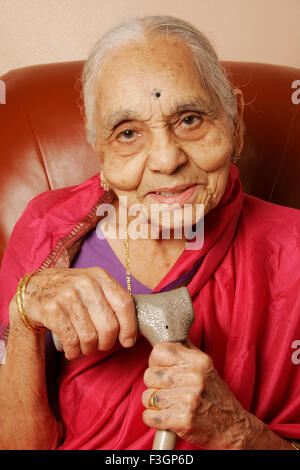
pixel 86 308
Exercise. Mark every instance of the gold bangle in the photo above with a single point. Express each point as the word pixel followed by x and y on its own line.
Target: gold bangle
pixel 20 304
pixel 295 445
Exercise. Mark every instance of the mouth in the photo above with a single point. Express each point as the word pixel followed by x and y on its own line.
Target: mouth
pixel 178 194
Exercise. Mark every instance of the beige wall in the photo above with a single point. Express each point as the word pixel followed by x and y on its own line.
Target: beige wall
pixel 41 31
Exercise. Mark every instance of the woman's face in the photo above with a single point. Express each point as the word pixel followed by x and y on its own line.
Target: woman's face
pixel 161 138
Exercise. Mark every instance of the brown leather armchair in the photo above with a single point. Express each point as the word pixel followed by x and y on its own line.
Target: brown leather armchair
pixel 43 142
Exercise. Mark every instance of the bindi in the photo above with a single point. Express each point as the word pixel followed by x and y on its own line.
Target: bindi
pixel 156 93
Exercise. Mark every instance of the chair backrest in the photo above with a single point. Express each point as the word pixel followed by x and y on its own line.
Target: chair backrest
pixel 43 143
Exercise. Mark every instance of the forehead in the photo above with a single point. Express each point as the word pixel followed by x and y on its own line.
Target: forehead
pixel 133 74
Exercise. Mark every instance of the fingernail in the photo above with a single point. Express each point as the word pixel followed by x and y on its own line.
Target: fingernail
pixel 129 342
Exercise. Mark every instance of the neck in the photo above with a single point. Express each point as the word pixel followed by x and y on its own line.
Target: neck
pixel 148 259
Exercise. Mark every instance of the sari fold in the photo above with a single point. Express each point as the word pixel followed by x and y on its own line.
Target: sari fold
pixel 245 294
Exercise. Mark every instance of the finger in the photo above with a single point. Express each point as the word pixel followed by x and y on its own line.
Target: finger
pixel 123 306
pixel 106 324
pixel 66 333
pixel 173 377
pixel 82 323
pixel 101 314
pixel 186 400
pixel 171 354
pixel 166 420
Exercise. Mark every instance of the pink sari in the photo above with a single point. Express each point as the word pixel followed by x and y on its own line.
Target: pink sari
pixel 246 301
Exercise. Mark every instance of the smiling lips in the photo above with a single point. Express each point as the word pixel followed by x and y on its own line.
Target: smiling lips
pixel 179 194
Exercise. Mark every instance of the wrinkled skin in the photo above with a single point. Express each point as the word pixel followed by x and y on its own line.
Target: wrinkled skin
pixel 158 145
pixel 145 143
pixel 86 308
pixel 194 401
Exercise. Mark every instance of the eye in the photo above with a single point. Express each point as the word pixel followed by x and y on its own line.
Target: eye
pixel 128 135
pixel 191 120
pixel 189 126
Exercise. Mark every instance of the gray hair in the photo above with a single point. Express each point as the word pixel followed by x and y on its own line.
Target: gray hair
pixel 138 29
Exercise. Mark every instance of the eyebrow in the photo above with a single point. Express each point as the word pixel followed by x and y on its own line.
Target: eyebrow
pixel 117 117
pixel 198 105
pixel 114 119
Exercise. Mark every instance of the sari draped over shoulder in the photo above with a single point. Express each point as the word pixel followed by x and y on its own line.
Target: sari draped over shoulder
pixel 246 300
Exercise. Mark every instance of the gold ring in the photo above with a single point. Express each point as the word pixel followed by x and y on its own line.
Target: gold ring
pixel 152 405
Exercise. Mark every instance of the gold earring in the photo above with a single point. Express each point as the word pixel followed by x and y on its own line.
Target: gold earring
pixel 235 158
pixel 104 184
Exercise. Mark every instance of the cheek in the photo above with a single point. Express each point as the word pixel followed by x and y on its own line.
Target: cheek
pixel 123 173
pixel 217 184
pixel 213 152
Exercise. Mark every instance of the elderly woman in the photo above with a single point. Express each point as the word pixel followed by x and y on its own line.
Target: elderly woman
pixel 166 126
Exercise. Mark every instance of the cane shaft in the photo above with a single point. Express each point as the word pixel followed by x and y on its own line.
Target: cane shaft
pixel 164 440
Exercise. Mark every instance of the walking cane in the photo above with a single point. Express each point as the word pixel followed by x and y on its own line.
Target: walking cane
pixel 164 316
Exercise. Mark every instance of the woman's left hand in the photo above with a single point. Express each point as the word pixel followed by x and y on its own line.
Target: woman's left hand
pixel 193 401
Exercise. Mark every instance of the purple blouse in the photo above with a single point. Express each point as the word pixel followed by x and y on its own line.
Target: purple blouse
pixel 97 252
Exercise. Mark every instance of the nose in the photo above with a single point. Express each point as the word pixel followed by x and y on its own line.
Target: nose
pixel 165 155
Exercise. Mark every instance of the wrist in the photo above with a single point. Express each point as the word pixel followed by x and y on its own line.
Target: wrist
pixel 258 436
pixel 254 433
pixel 20 303
pixel 17 326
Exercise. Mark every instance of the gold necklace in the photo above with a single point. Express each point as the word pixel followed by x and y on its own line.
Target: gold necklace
pixel 127 259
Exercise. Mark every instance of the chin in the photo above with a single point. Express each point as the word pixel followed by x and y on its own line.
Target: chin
pixel 178 223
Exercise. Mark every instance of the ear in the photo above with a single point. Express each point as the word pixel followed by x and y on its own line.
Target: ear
pixel 239 125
